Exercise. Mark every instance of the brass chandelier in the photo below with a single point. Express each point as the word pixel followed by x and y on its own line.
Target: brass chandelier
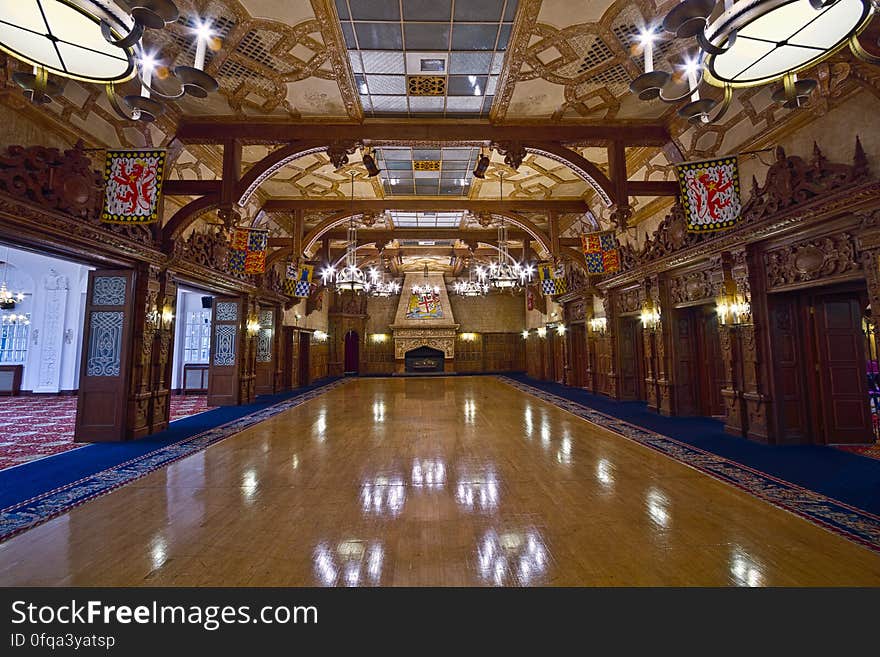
pixel 99 41
pixel 747 43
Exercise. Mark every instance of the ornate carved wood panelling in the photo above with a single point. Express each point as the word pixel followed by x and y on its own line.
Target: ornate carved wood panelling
pixel 691 287
pixel 629 300
pixel 409 339
pixel 811 260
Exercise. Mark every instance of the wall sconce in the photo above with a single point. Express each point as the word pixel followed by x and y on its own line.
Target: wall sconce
pixel 467 337
pixel 379 337
pixel 525 334
pixel 733 310
pixel 320 336
pixel 153 316
pixel 167 317
pixel 542 331
pixel 560 329
pixel 650 316
pixel 599 325
pixel 253 327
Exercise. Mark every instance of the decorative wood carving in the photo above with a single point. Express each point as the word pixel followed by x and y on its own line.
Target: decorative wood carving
pixel 691 287
pixel 629 301
pixel 409 339
pixel 810 260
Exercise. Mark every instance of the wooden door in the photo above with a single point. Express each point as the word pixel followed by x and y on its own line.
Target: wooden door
pixel 576 355
pixel 305 340
pixel 687 362
pixel 105 374
pixel 226 347
pixel 792 358
pixel 709 353
pixel 632 359
pixel 352 353
pixel 265 366
pixel 288 357
pixel 842 378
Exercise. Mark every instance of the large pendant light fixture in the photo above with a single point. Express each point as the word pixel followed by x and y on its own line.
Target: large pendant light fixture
pixel 98 41
pixel 505 273
pixel 350 278
pixel 473 286
pixel 379 287
pixel 8 298
pixel 747 43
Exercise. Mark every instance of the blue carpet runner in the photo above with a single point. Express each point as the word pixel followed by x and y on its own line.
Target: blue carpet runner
pixel 34 492
pixel 837 490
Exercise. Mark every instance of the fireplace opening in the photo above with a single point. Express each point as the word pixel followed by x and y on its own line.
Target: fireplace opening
pixel 424 360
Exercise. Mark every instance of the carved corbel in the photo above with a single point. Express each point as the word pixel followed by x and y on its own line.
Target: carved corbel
pixel 338 152
pixel 514 153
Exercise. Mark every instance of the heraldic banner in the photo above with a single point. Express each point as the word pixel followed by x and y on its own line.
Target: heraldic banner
pixel 710 194
pixel 133 186
pixel 552 279
pixel 247 250
pixel 601 252
pixel 299 280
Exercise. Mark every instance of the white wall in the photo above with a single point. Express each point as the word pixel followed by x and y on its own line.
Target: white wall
pixel 56 302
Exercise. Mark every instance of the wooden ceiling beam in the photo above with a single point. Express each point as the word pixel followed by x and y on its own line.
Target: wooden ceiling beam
pixel 426 205
pixel 385 236
pixel 191 187
pixel 214 131
pixel 652 188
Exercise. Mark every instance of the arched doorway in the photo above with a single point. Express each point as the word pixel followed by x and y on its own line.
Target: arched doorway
pixel 352 352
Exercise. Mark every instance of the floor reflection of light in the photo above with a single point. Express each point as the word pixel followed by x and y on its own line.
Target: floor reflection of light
pixel 744 570
pixel 512 557
pixel 605 473
pixel 470 411
pixel 528 419
pixel 295 462
pixel 545 434
pixel 321 425
pixel 249 484
pixel 564 453
pixel 379 412
pixel 383 496
pixel 430 473
pixel 657 507
pixel 158 552
pixel 478 492
pixel 350 564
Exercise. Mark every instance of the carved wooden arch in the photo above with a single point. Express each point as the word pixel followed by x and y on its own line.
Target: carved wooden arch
pixel 581 166
pixel 341 217
pixel 188 214
pixel 273 162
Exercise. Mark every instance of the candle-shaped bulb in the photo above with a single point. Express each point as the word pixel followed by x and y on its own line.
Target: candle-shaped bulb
pixel 692 69
pixel 647 39
pixel 148 64
pixel 203 35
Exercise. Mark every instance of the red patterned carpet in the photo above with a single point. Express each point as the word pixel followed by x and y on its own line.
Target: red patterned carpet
pixel 35 426
pixel 871 451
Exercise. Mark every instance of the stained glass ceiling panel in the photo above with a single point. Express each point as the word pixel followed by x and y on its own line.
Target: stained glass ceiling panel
pixel 426 57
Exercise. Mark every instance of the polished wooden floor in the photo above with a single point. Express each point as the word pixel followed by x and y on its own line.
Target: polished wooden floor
pixel 447 481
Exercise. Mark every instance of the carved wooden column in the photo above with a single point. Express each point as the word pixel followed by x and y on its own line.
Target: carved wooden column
pixel 750 276
pixel 610 338
pixel 724 284
pixel 163 347
pixel 589 346
pixel 649 341
pixel 665 380
pixel 145 325
pixel 248 362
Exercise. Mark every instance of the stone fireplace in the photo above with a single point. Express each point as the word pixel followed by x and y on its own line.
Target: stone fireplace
pixel 436 332
pixel 424 360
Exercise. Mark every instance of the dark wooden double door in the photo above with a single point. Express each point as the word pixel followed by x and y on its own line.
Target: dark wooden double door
pixel 697 356
pixel 819 368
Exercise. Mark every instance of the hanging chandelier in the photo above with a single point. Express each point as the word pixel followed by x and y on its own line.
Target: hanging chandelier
pixel 472 287
pixel 99 41
pixel 505 273
pixel 748 43
pixel 425 288
pixel 8 298
pixel 350 278
pixel 379 287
